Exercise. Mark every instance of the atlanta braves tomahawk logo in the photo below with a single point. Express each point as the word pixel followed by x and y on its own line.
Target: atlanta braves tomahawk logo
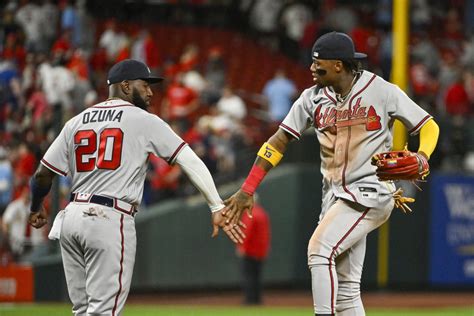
pixel 330 116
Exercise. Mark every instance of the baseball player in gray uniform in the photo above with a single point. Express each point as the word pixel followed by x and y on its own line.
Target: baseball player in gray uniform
pixel 352 112
pixel 105 151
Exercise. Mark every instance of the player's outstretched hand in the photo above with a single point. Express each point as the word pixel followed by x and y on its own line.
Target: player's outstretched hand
pixel 233 231
pixel 236 205
pixel 38 219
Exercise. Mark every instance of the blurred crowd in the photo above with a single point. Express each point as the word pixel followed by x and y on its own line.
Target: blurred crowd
pixel 54 58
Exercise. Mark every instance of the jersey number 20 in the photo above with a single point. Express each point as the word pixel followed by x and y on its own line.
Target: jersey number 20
pixel 109 154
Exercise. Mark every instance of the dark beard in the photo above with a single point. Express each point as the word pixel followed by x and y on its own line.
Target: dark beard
pixel 138 101
pixel 321 72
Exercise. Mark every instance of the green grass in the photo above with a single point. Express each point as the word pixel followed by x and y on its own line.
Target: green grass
pixel 150 310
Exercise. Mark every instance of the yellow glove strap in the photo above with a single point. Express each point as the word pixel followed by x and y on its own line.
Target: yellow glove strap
pixel 270 154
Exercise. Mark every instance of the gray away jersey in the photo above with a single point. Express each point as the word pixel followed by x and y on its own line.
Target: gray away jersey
pixel 105 149
pixel 351 131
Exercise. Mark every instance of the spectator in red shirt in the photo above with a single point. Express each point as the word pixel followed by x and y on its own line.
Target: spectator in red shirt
pixel 456 99
pixel 189 58
pixel 62 46
pixel 14 51
pixel 152 52
pixel 163 178
pixel 180 102
pixel 253 253
pixel 145 49
pixel 37 105
pixel 78 65
pixel 24 166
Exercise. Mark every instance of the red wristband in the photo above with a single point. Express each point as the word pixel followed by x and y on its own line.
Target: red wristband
pixel 253 180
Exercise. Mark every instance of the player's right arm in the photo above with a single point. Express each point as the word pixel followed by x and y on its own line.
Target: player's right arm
pixel 55 161
pixel 268 157
pixel 298 119
pixel 40 185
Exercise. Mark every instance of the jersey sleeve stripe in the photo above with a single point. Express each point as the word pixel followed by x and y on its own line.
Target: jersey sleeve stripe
pixel 290 130
pixel 176 152
pixel 418 126
pixel 329 96
pixel 53 168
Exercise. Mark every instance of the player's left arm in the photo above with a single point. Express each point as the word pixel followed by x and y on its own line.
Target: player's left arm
pixel 201 178
pixel 40 185
pixel 407 165
pixel 429 134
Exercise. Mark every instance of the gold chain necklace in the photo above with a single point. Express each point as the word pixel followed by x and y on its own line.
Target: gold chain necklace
pixel 343 98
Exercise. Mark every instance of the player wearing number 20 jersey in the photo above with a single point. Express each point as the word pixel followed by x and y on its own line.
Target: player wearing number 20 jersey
pixel 105 151
pixel 109 151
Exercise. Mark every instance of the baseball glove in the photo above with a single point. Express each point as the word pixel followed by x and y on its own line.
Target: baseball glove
pixel 401 165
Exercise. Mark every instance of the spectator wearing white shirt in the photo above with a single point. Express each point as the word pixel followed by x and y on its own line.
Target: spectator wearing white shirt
pixel 21 237
pixel 49 15
pixel 231 105
pixel 30 19
pixel 294 18
pixel 112 40
pixel 57 82
pixel 263 18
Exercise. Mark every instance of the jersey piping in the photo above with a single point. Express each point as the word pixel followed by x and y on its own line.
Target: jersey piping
pixel 346 156
pixel 333 252
pixel 329 96
pixel 121 265
pixel 290 130
pixel 53 168
pixel 98 106
pixel 418 126
pixel 176 152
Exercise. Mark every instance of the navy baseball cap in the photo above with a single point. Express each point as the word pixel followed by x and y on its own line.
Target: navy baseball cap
pixel 130 69
pixel 335 45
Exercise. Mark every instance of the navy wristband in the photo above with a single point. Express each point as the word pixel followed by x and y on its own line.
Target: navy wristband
pixel 38 193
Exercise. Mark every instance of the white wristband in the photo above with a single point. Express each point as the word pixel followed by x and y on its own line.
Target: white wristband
pixel 216 208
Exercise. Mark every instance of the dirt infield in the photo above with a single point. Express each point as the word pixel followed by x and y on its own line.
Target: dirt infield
pixel 302 298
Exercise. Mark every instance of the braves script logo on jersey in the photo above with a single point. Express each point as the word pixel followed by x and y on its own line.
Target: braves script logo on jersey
pixel 343 118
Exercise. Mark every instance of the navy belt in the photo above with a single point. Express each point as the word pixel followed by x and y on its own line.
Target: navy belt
pixel 105 201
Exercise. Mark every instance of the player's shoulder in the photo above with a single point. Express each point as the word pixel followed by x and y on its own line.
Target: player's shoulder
pixel 312 92
pixel 113 104
pixel 377 84
pixel 118 105
pixel 368 77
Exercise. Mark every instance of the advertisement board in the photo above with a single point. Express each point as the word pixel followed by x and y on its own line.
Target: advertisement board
pixel 452 230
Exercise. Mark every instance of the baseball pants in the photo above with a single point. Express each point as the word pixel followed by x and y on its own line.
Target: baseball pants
pixel 336 254
pixel 98 245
